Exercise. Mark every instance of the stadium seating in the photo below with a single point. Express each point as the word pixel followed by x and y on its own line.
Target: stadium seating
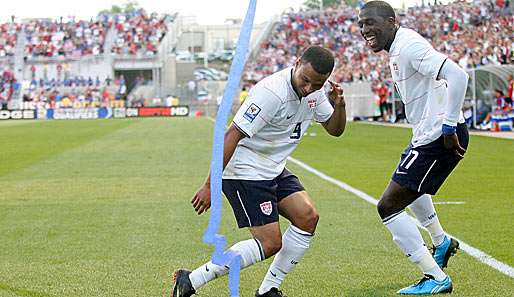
pixel 64 38
pixel 138 33
pixel 8 36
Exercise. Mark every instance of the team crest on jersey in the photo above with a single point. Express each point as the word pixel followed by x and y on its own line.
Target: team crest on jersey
pixel 395 67
pixel 252 112
pixel 266 208
pixel 312 103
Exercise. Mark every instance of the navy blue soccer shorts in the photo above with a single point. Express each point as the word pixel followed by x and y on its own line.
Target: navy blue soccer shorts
pixel 425 168
pixel 255 202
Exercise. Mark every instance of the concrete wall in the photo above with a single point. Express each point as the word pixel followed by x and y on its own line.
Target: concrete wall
pixel 212 38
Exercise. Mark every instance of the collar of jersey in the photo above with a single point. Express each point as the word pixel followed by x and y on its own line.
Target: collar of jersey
pixel 290 83
pixel 396 37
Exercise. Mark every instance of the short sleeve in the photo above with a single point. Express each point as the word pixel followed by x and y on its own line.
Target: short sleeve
pixel 323 110
pixel 424 58
pixel 257 110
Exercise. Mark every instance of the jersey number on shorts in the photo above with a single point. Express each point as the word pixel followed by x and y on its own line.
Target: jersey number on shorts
pixel 414 155
pixel 297 132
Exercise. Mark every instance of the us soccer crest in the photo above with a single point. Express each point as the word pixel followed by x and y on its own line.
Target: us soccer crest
pixel 311 103
pixel 252 112
pixel 266 208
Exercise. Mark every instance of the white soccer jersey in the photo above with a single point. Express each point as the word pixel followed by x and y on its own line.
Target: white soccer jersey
pixel 274 119
pixel 415 65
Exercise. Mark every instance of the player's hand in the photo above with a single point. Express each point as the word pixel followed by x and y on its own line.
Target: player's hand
pixel 451 143
pixel 202 199
pixel 336 94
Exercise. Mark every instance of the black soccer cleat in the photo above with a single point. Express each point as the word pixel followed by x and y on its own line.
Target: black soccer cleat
pixel 183 286
pixel 273 292
pixel 444 251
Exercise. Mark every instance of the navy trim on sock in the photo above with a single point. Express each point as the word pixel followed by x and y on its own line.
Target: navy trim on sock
pixel 305 233
pixel 394 215
pixel 261 250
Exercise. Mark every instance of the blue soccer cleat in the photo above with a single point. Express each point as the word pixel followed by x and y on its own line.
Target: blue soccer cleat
pixel 428 286
pixel 444 251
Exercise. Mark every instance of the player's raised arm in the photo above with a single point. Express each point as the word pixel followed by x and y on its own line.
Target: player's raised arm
pixel 457 80
pixel 202 199
pixel 337 122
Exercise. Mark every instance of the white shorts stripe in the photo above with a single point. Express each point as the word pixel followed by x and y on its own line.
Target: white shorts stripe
pixel 423 180
pixel 244 209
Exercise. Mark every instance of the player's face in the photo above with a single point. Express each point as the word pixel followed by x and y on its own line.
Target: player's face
pixel 376 30
pixel 306 79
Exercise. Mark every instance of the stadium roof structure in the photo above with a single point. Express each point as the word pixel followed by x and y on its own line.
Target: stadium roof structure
pixel 486 79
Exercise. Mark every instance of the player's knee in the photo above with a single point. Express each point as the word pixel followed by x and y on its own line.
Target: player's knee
pixel 307 221
pixel 311 221
pixel 271 246
pixel 384 207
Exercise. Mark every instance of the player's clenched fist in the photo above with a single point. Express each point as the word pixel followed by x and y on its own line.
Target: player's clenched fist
pixel 336 95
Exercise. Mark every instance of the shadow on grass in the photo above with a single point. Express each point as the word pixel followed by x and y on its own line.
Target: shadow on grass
pixel 383 291
pixel 23 292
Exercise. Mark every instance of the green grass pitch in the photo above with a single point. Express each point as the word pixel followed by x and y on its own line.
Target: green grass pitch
pixel 102 208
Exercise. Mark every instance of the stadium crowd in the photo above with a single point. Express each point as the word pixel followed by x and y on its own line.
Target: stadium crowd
pixel 472 34
pixel 139 33
pixel 65 38
pixel 8 36
pixel 8 87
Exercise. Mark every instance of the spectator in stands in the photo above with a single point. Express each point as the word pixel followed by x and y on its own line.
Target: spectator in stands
pixel 510 87
pixel 502 107
pixel 243 95
pixel 383 93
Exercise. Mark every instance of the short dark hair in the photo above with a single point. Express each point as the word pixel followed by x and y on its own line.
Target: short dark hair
pixel 321 59
pixel 383 8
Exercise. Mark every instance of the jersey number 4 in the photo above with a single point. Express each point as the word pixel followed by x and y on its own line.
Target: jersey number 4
pixel 297 132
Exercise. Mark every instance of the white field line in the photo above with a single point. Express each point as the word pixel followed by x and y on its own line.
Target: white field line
pixel 450 202
pixel 474 252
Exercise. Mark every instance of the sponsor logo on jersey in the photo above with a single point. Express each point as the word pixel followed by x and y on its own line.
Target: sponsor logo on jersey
pixel 312 103
pixel 252 112
pixel 266 207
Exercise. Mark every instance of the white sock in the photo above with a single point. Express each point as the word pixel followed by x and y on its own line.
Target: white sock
pixel 424 260
pixel 424 210
pixel 295 243
pixel 250 251
pixel 408 238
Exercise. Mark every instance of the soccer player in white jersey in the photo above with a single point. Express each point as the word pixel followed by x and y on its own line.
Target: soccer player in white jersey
pixel 432 88
pixel 265 131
